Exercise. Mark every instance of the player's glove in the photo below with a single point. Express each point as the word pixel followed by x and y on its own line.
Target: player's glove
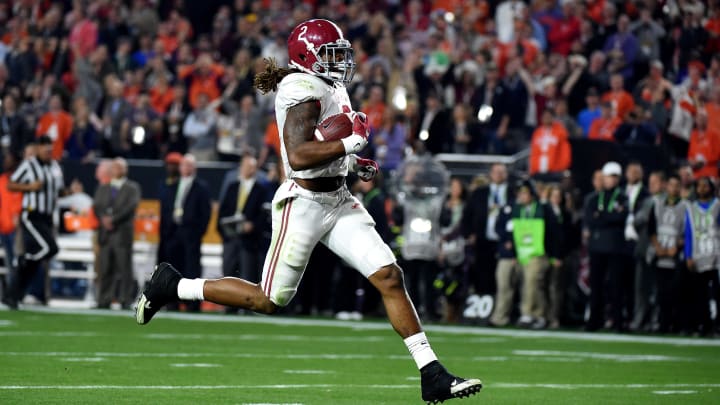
pixel 360 132
pixel 366 169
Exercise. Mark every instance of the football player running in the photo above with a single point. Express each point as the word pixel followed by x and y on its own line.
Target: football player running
pixel 314 205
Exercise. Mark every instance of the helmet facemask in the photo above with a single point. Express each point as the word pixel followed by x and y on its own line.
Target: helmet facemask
pixel 335 61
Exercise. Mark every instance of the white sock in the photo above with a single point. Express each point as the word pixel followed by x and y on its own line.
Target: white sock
pixel 420 349
pixel 191 289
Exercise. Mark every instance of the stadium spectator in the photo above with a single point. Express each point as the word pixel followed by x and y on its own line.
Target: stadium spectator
pixel 116 120
pixel 702 226
pixel 16 133
pixel 435 125
pixel 636 129
pixel 465 132
pixel 605 217
pixel 686 101
pixel 704 148
pixel 590 113
pixel 57 124
pixel 622 49
pixel 488 103
pixel 115 204
pixel 391 140
pixel 511 134
pixel 82 145
pixel 203 78
pixel 603 128
pixel 549 148
pixel 199 128
pixel 562 115
pixel 621 101
pixel 652 94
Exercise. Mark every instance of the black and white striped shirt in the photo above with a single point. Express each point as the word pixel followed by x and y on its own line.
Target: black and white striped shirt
pixel 43 201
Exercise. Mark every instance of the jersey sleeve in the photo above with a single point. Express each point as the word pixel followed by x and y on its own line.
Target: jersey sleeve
pixel 298 88
pixel 20 173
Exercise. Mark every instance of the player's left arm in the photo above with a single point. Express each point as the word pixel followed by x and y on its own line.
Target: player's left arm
pixel 299 134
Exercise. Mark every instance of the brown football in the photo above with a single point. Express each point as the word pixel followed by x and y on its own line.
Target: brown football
pixel 334 127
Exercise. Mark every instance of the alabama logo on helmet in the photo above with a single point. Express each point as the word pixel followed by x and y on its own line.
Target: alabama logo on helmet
pixel 318 47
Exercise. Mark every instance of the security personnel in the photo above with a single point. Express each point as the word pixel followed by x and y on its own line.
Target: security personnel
pixel 665 227
pixel 605 217
pixel 702 244
pixel 40 180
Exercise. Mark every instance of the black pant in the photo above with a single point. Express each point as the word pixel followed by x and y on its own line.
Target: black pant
pixel 39 242
pixel 606 277
pixel 700 288
pixel 482 271
pixel 185 250
pixel 668 282
pixel 419 278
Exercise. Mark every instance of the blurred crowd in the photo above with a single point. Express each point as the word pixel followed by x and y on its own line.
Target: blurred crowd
pixel 142 78
pixel 156 79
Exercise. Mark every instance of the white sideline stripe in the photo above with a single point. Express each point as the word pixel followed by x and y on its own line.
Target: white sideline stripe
pixel 308 371
pixel 268 337
pixel 198 365
pixel 372 325
pixel 601 356
pixel 369 386
pixel 5 322
pixel 84 359
pixel 346 356
pixel 675 392
pixel 53 334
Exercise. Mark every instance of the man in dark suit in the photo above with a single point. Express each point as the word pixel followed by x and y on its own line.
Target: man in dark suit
pixel 115 206
pixel 191 214
pixel 479 217
pixel 435 125
pixel 605 218
pixel 168 189
pixel 240 222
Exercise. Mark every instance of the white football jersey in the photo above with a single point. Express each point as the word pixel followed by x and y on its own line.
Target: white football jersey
pixel 297 88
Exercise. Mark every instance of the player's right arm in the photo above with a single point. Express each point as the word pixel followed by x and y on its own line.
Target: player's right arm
pixel 299 137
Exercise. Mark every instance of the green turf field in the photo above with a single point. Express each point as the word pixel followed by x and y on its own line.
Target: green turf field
pixel 105 358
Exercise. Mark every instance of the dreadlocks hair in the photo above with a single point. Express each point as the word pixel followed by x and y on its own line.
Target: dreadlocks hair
pixel 268 80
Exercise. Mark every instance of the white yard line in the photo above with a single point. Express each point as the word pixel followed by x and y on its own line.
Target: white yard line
pixel 681 392
pixel 197 365
pixel 658 387
pixel 308 371
pixel 369 325
pixel 625 358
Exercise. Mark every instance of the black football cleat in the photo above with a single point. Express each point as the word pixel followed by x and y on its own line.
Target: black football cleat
pixel 438 385
pixel 161 289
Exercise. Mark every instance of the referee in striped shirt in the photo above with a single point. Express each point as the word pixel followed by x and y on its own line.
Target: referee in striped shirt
pixel 40 180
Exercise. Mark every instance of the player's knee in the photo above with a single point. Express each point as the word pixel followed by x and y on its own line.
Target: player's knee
pixel 389 279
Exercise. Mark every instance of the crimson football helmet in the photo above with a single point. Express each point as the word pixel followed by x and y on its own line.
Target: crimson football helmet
pixel 318 47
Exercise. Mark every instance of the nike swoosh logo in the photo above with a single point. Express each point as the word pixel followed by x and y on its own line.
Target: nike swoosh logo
pixel 454 383
pixel 147 305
